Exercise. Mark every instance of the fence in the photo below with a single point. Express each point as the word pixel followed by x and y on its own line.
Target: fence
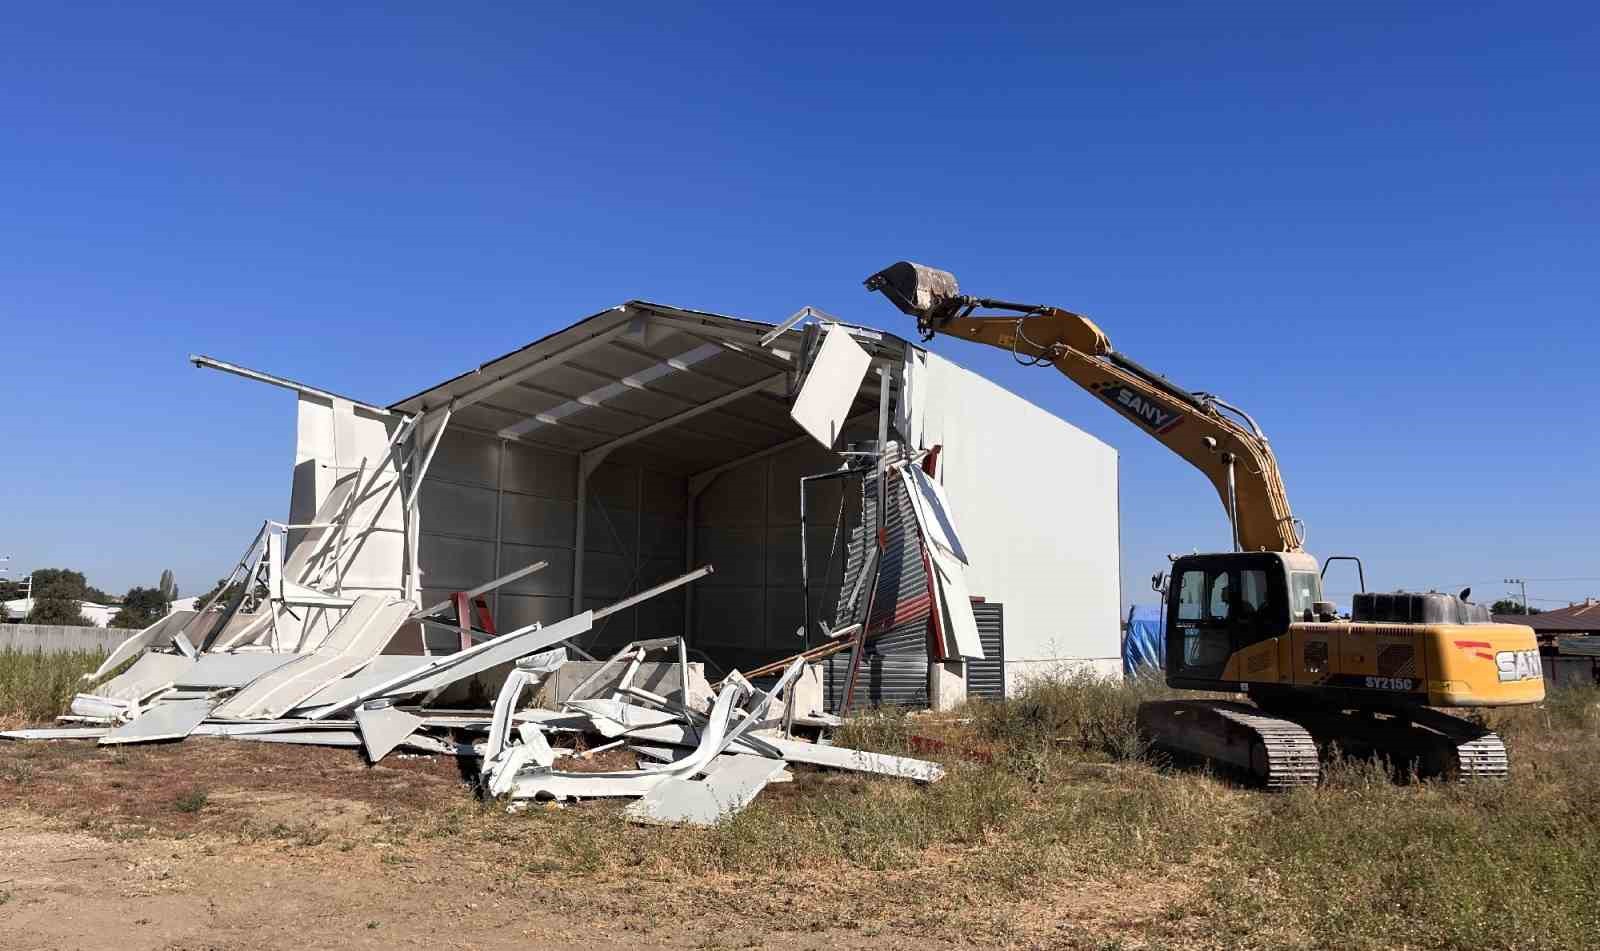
pixel 59 638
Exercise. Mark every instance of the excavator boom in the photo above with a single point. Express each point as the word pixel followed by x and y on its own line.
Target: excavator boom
pixel 1210 435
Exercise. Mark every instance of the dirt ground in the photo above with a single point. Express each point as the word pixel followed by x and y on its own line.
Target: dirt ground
pixel 216 844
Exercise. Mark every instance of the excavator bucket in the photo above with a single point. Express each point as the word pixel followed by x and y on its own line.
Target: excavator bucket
pixel 919 291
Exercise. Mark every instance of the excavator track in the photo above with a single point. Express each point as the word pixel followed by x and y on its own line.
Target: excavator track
pixel 1284 756
pixel 1482 758
pixel 1280 754
pixel 1281 751
pixel 1478 753
pixel 1417 741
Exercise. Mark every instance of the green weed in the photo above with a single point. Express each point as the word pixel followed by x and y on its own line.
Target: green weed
pixel 191 800
pixel 35 686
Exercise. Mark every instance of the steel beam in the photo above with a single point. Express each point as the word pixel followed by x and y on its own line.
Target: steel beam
pixel 592 458
pixel 202 361
pixel 701 480
pixel 510 378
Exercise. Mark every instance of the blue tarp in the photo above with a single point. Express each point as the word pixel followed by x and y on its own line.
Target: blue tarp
pixel 1144 645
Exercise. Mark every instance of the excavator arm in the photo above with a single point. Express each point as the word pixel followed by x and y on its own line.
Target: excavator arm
pixel 1219 440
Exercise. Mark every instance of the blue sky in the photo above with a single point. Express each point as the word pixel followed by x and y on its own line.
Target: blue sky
pixel 1374 226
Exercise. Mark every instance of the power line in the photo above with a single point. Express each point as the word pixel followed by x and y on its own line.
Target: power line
pixel 1473 584
pixel 1553 580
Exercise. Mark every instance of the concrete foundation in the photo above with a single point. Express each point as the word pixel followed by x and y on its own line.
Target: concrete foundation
pixel 947 684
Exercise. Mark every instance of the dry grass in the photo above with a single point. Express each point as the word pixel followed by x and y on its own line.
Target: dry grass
pixel 1053 790
pixel 1052 828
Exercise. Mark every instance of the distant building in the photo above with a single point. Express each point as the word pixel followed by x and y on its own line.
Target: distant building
pixel 99 615
pixel 1580 617
pixel 1569 641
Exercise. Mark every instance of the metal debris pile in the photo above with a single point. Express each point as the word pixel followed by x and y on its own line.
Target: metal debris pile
pixel 703 751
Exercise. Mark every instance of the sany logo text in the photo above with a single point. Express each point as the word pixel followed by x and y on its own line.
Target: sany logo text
pixel 1518 665
pixel 1143 409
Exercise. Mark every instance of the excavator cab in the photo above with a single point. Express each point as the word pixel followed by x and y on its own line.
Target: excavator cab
pixel 1220 605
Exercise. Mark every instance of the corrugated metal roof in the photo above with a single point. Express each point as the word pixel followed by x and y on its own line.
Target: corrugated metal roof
pixel 623 373
pixel 1574 618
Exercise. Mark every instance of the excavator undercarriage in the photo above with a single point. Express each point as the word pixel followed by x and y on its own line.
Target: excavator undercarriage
pixel 1283 750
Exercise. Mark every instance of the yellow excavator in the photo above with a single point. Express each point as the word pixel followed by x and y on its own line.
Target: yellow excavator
pixel 1253 620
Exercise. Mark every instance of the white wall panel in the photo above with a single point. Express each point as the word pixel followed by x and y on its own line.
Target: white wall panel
pixel 556 580
pixel 530 520
pixel 728 617
pixel 613 529
pixel 606 575
pixel 1035 501
pixel 738 495
pixel 458 509
pixel 456 564
pixel 737 551
pixel 517 610
pixel 337 441
pixel 466 457
pixel 552 475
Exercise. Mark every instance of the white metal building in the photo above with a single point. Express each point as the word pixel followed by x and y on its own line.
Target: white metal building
pixel 647 440
pixel 98 615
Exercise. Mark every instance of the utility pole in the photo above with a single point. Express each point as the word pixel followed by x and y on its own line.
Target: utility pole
pixel 1524 586
pixel 26 587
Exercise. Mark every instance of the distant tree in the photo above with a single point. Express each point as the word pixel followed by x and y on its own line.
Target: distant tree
pixel 12 590
pixel 168 586
pixel 67 583
pixel 1511 606
pixel 210 593
pixel 57 602
pixel 141 607
pixel 75 581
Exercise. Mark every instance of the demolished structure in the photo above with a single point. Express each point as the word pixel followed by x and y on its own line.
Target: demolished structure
pixel 852 520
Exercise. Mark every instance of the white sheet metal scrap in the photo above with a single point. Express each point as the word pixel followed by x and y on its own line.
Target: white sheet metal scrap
pixel 699 752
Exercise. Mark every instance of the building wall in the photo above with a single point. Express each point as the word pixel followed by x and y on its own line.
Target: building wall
pixel 338 442
pixel 747 524
pixel 1035 503
pixel 491 506
pixel 98 615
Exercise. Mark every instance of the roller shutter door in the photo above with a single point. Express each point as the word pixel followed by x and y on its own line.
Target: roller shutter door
pixel 986 679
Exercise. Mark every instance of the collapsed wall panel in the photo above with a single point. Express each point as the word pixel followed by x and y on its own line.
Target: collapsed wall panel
pixel 338 442
pixel 894 664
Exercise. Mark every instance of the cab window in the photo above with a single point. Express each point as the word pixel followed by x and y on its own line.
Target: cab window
pixel 1253 590
pixel 1220 603
pixel 1191 595
pixel 1305 589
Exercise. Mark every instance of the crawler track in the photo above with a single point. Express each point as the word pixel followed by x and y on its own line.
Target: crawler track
pixel 1284 754
pixel 1483 758
pixel 1282 750
pixel 1278 753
